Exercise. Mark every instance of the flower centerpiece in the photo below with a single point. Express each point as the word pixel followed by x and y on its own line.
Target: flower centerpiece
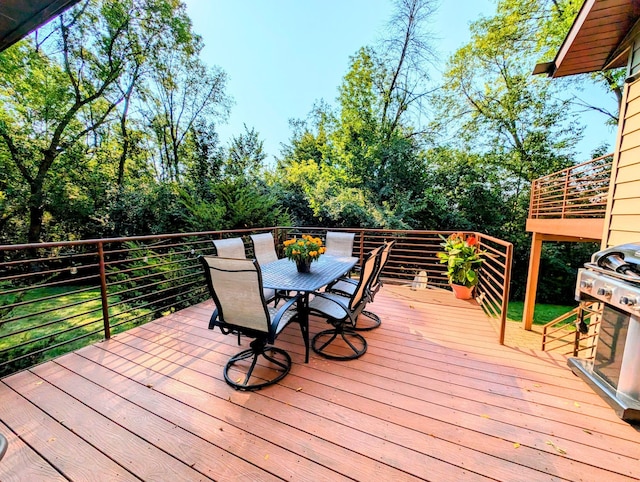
pixel 304 251
pixel 463 259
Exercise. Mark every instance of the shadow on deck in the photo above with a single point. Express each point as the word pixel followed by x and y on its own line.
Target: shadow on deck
pixel 435 397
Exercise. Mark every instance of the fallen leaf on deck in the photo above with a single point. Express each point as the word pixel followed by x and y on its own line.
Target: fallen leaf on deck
pixel 576 404
pixel 266 457
pixel 52 439
pixel 537 385
pixel 149 386
pixel 516 445
pixel 39 383
pixel 560 451
pixel 298 389
pixel 586 431
pixel 484 415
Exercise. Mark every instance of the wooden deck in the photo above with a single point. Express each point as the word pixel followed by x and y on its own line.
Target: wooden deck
pixel 434 398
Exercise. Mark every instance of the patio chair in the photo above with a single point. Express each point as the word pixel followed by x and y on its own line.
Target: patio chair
pixel 3 446
pixel 236 288
pixel 347 286
pixel 339 244
pixel 264 248
pixel 229 248
pixel 234 248
pixel 342 342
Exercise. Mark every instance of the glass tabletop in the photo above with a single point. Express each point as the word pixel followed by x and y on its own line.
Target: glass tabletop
pixel 283 274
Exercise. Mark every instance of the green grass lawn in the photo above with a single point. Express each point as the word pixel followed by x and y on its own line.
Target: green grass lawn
pixel 543 313
pixel 58 315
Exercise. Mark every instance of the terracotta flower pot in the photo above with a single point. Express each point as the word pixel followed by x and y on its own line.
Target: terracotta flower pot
pixel 462 292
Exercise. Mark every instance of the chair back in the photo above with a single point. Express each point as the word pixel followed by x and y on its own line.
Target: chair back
pixel 236 288
pixel 230 248
pixel 339 243
pixel 264 248
pixel 384 257
pixel 366 275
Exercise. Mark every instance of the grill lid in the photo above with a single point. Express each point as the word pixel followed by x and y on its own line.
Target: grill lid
pixel 621 261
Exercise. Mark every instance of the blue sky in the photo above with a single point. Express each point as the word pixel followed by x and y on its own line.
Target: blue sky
pixel 281 56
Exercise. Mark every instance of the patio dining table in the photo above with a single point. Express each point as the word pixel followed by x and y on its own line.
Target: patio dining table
pixel 282 275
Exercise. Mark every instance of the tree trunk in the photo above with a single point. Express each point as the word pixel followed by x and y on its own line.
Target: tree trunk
pixel 36 212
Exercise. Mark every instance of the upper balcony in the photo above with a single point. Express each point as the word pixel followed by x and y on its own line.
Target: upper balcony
pixel 571 203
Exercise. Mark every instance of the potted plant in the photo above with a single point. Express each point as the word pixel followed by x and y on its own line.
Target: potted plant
pixel 463 259
pixel 303 251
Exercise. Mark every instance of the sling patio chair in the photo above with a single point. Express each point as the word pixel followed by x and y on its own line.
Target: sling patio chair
pixel 264 248
pixel 347 286
pixel 236 288
pixel 342 342
pixel 234 248
pixel 229 248
pixel 3 446
pixel 339 244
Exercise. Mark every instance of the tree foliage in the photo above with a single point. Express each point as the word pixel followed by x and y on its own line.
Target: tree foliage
pixel 108 121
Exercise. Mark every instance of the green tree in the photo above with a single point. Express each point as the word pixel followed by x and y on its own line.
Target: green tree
pixel 245 155
pixel 182 92
pixel 60 90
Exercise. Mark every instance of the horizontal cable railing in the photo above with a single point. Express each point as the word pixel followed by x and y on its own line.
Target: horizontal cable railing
pixel 57 297
pixel 574 333
pixel 580 191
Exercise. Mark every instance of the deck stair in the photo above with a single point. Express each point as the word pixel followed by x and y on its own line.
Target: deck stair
pixel 575 333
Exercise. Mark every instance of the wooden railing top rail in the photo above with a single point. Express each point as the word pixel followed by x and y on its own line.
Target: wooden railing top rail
pixel 575 192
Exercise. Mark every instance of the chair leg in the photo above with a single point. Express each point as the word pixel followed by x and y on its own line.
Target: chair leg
pixel 374 322
pixel 353 343
pixel 259 348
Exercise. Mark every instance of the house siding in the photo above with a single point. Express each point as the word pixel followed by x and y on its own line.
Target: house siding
pixel 622 223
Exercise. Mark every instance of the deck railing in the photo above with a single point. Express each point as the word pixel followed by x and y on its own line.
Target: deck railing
pixel 577 192
pixel 57 297
pixel 574 333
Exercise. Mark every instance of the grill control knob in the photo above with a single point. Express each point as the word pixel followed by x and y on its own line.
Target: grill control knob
pixel 586 284
pixel 625 300
pixel 606 292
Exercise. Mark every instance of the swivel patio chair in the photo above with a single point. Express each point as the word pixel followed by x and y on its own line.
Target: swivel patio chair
pixel 339 244
pixel 264 248
pixel 236 288
pixel 342 342
pixel 229 248
pixel 347 286
pixel 234 248
pixel 3 446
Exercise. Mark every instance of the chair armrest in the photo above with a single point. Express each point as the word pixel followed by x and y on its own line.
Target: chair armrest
pixel 344 307
pixel 281 311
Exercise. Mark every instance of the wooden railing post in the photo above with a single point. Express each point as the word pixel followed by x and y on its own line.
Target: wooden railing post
pixel 579 320
pixel 103 292
pixel 565 192
pixel 505 292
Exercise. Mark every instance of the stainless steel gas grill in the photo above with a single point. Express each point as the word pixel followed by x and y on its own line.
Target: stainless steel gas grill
pixel 613 278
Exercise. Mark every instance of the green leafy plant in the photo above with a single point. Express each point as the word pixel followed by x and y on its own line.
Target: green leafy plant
pixel 463 259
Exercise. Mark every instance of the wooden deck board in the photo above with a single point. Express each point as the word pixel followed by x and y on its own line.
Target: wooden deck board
pixel 434 398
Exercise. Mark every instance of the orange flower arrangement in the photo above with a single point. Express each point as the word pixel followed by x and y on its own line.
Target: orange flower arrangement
pixel 308 248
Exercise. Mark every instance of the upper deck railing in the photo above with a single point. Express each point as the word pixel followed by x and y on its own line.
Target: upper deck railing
pixel 576 192
pixel 57 297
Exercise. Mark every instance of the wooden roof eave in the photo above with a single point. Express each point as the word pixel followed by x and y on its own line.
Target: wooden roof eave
pixel 610 24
